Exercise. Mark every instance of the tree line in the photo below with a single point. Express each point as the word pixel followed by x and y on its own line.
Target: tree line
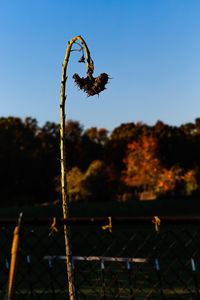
pixel 101 166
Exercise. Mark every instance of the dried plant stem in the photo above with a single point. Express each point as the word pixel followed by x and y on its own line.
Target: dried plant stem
pixel 65 197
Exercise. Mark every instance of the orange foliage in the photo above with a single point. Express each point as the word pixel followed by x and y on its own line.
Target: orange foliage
pixel 144 168
pixel 142 163
pixel 168 179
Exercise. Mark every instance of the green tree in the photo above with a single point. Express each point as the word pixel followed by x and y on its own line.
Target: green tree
pixel 96 182
pixel 190 182
pixel 75 189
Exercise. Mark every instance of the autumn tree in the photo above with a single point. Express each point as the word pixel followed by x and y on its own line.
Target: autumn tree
pixel 133 157
pixel 116 148
pixel 142 164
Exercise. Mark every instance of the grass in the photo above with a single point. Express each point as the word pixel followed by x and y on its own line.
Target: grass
pixel 160 207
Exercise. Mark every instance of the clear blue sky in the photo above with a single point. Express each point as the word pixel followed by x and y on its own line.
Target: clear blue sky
pixel 150 48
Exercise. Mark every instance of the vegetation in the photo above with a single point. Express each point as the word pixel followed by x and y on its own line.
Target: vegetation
pixel 102 166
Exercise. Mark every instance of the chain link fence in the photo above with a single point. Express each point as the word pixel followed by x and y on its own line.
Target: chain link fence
pixel 118 258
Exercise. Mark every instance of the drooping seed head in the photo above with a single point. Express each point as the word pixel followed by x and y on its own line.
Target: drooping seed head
pixel 91 85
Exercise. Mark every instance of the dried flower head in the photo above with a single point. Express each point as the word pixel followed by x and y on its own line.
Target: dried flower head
pixel 91 85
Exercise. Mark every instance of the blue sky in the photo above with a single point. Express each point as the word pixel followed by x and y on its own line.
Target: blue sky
pixel 150 49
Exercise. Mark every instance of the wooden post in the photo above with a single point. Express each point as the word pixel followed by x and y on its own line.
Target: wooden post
pixel 13 260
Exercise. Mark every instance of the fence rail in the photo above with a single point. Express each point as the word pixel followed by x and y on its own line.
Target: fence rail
pixel 129 259
pixel 100 220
